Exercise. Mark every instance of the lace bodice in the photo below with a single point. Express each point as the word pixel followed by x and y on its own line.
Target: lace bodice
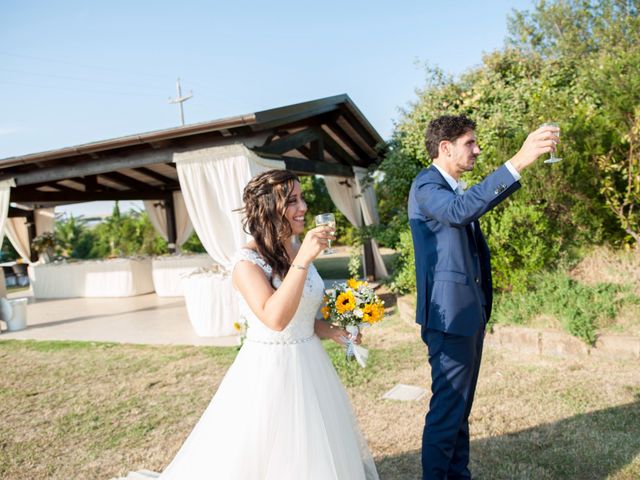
pixel 300 327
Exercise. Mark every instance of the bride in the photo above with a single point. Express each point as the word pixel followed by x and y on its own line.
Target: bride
pixel 280 412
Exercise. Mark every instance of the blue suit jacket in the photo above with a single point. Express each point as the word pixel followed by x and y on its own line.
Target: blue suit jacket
pixel 453 269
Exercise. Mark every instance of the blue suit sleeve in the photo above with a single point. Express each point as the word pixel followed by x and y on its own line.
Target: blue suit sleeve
pixel 436 200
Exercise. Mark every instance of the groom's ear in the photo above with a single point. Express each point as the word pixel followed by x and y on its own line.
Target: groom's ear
pixel 444 148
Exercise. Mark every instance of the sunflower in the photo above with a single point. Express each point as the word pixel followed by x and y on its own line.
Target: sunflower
pixel 353 283
pixel 368 313
pixel 345 302
pixel 373 312
pixel 379 312
pixel 325 312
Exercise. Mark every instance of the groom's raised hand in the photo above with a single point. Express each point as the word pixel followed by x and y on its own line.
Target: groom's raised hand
pixel 540 141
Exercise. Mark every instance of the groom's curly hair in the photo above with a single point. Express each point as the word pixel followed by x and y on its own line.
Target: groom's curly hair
pixel 265 204
pixel 446 127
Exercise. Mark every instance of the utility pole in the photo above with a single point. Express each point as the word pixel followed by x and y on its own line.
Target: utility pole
pixel 180 100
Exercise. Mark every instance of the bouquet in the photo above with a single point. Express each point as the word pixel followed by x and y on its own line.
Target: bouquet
pixel 353 305
pixel 241 326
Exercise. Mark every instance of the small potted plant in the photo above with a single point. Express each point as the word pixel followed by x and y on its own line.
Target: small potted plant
pixel 45 245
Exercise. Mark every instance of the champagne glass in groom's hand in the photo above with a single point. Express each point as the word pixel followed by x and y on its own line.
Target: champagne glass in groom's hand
pixel 327 220
pixel 552 158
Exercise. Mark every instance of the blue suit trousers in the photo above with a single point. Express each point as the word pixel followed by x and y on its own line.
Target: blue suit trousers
pixel 455 363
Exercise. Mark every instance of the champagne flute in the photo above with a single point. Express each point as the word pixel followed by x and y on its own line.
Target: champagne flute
pixel 552 158
pixel 327 220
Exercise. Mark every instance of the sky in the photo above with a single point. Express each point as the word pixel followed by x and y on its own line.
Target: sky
pixel 73 72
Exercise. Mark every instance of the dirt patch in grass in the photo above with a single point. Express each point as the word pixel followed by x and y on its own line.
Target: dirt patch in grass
pixel 82 410
pixel 604 265
pixel 627 322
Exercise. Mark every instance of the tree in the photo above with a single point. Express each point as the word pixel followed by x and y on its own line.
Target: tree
pixel 574 61
pixel 74 239
pixel 129 234
pixel 600 42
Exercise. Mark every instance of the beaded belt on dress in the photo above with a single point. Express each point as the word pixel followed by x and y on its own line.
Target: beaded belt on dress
pixel 281 342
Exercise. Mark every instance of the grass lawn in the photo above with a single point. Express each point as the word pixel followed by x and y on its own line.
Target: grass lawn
pixel 17 289
pixel 79 410
pixel 336 266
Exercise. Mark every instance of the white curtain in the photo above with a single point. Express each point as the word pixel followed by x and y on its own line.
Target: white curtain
pixel 5 192
pixel 357 203
pixel 369 205
pixel 17 230
pixel 18 234
pixel 343 193
pixel 158 217
pixel 45 220
pixel 212 180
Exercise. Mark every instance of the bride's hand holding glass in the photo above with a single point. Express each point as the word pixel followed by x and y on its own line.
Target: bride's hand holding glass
pixel 327 220
pixel 315 242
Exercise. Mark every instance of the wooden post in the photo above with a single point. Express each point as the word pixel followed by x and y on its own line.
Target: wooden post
pixel 31 232
pixel 171 222
pixel 369 267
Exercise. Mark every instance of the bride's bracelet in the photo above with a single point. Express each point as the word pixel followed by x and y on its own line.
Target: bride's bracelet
pixel 299 266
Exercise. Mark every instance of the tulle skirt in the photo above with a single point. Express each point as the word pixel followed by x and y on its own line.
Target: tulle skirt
pixel 280 413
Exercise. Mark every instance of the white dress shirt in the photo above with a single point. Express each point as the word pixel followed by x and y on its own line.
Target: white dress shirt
pixel 459 186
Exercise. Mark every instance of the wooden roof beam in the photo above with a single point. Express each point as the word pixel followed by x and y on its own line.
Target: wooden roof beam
pixel 60 198
pixel 336 150
pixel 94 167
pixel 155 175
pixel 127 181
pixel 301 165
pixel 357 149
pixel 292 141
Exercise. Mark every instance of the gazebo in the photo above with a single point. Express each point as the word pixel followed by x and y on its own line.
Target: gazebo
pixel 328 137
pixel 191 177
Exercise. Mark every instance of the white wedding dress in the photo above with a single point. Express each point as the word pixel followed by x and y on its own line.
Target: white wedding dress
pixel 281 412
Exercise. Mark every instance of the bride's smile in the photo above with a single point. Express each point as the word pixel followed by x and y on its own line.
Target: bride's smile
pixel 296 208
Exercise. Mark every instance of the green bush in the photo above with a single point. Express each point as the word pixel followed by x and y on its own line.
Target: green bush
pixel 523 242
pixel 404 279
pixel 193 245
pixel 580 308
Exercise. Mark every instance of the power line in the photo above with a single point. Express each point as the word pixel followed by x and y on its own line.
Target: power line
pixel 204 88
pixel 82 65
pixel 51 87
pixel 65 77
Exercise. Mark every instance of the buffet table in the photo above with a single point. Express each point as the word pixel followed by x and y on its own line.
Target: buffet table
pixel 118 277
pixel 168 271
pixel 211 303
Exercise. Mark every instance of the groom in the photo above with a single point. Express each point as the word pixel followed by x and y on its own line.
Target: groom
pixel 453 278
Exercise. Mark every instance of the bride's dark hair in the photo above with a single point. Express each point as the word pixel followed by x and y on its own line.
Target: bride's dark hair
pixel 265 204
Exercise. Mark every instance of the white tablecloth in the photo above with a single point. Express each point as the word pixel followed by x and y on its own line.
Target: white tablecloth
pixel 211 304
pixel 118 277
pixel 168 271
